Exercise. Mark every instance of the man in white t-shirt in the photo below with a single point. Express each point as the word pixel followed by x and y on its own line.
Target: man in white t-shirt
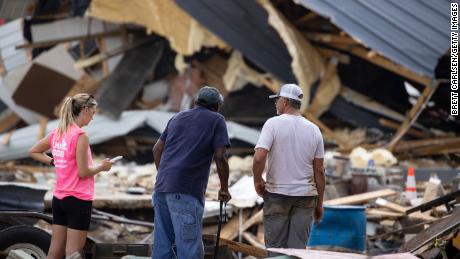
pixel 293 191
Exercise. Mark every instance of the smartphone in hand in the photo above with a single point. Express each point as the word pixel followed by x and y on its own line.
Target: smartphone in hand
pixel 115 159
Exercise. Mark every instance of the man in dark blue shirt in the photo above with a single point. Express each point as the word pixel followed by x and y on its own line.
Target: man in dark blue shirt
pixel 183 157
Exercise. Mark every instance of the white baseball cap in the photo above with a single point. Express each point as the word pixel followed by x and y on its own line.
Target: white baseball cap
pixel 291 91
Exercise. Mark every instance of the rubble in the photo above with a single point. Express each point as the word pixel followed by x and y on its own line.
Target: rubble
pixel 380 112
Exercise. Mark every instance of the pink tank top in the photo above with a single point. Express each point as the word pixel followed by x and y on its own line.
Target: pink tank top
pixel 65 160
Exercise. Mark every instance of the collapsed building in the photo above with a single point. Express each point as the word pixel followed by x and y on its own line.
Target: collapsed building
pixel 375 76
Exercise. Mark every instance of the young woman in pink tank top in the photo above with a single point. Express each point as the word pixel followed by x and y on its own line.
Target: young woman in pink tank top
pixel 74 189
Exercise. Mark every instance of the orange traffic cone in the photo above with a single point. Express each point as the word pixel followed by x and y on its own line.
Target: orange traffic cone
pixel 411 190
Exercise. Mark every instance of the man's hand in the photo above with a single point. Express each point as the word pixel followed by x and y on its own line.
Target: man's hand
pixel 318 213
pixel 224 195
pixel 259 185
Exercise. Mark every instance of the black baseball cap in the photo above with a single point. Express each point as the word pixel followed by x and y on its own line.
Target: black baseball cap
pixel 210 95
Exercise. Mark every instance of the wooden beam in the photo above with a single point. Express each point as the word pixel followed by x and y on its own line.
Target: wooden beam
pixel 77 38
pixel 385 214
pixel 7 137
pixel 416 144
pixel 270 85
pixel 361 198
pixel 252 240
pixel 330 38
pixel 105 64
pixel 383 62
pixel 414 112
pixel 9 121
pixel 439 149
pixel 231 228
pixel 261 233
pixel 255 219
pixel 42 130
pixel 390 205
pixel 86 62
pixel 306 18
pixel 394 125
pixel 401 209
pixel 330 53
pixel 243 248
pixel 318 102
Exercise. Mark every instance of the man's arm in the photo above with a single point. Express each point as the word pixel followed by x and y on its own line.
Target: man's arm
pixel 157 151
pixel 320 180
pixel 258 166
pixel 220 157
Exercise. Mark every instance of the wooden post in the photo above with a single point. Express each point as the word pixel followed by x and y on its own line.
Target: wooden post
pixel 413 114
pixel 306 18
pixel 77 38
pixel 42 132
pixel 105 64
pixel 9 121
pixel 329 72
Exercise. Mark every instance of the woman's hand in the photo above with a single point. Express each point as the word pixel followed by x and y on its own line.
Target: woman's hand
pixel 105 165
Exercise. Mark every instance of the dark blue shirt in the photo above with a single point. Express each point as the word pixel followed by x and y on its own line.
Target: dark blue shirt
pixel 190 140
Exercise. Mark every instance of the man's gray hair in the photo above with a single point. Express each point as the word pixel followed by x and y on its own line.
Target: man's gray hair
pixel 294 103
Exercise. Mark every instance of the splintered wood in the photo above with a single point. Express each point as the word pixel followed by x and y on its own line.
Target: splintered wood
pixel 361 198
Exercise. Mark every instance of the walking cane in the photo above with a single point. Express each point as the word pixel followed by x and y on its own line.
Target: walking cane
pixel 219 226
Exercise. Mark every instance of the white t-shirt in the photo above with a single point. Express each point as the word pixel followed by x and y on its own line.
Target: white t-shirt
pixel 293 142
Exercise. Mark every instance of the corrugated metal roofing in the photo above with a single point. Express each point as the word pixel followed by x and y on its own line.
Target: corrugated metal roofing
pixel 13 9
pixel 10 36
pixel 412 33
pixel 244 25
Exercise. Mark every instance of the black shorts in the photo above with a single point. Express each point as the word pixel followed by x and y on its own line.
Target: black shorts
pixel 72 212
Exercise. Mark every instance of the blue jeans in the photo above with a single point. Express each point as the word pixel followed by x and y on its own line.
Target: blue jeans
pixel 178 220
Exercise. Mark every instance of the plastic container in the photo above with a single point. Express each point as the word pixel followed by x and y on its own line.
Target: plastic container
pixel 341 227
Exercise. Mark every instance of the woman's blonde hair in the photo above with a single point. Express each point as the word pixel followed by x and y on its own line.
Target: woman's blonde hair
pixel 71 108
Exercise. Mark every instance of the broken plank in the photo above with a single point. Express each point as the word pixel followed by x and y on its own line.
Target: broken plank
pixel 385 214
pixel 409 228
pixel 330 38
pixel 7 137
pixel 437 149
pixel 394 125
pixel 252 240
pixel 444 200
pixel 230 230
pixel 256 218
pixel 261 234
pixel 9 121
pixel 244 248
pixel 398 208
pixel 390 205
pixel 413 114
pixel 329 53
pixel 83 63
pixel 42 129
pixel 435 230
pixel 64 40
pixel 306 18
pixel 415 144
pixel 383 62
pixel 361 198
